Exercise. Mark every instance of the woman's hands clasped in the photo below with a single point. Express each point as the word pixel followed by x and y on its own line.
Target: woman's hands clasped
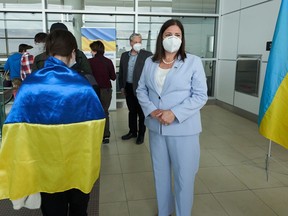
pixel 165 117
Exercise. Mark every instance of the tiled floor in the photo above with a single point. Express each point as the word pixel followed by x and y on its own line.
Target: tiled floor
pixel 231 180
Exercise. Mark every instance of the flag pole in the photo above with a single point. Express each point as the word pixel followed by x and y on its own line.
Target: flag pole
pixel 267 159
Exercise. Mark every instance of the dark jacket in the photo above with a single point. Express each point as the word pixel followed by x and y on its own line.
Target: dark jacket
pixel 123 68
pixel 103 70
pixel 82 66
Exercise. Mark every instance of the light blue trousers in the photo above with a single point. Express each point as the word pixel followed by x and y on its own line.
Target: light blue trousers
pixel 180 155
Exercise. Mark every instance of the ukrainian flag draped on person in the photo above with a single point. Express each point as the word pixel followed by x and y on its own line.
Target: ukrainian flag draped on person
pixel 52 136
pixel 273 112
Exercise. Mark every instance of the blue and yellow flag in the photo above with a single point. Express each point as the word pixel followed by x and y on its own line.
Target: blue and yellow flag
pixel 106 35
pixel 52 136
pixel 273 112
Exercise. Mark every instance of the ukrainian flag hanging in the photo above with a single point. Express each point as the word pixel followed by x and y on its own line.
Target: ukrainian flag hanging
pixel 106 35
pixel 273 112
pixel 52 136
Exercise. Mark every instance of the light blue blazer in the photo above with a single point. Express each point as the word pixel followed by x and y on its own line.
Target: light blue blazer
pixel 184 93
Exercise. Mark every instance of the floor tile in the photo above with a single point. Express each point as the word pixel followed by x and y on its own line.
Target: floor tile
pixel 139 185
pixel 142 207
pixel 207 159
pixel 135 163
pixel 129 147
pixel 211 141
pixel 206 204
pixel 112 209
pixel 112 188
pixel 254 177
pixel 243 203
pixel 275 198
pixel 253 152
pixel 200 187
pixel 228 156
pixel 110 165
pixel 109 149
pixel 219 179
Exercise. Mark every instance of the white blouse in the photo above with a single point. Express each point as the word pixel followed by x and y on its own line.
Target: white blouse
pixel 160 77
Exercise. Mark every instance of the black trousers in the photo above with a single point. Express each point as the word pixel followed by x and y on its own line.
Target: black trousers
pixel 105 99
pixel 72 202
pixel 135 112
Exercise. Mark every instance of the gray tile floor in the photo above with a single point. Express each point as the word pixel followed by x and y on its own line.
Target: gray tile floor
pixel 231 180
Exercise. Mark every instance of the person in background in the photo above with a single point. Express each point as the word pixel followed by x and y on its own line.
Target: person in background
pixel 130 69
pixel 13 65
pixel 26 65
pixel 81 63
pixel 103 71
pixel 59 122
pixel 172 90
pixel 39 44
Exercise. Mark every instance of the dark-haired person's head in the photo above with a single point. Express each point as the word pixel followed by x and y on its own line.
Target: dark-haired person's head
pixel 40 37
pixel 61 43
pixel 57 26
pixel 97 47
pixel 160 51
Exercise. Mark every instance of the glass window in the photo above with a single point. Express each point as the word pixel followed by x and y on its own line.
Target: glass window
pixel 17 28
pixel 92 5
pixel 178 6
pixel 199 33
pixel 109 5
pixel 65 4
pixel 124 26
pixel 3 51
pixel 35 4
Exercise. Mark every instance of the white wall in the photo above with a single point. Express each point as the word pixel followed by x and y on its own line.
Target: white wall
pixel 257 27
pixel 229 32
pixel 230 5
pixel 246 26
pixel 247 3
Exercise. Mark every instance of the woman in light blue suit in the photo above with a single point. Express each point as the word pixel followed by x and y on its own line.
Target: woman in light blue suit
pixel 171 91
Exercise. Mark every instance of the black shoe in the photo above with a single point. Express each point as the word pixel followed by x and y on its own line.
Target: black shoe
pixel 105 141
pixel 140 140
pixel 129 136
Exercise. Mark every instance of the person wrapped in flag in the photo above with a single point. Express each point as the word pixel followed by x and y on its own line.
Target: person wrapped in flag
pixel 53 134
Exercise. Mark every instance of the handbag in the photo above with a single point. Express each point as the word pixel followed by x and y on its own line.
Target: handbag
pixel 6 79
pixel 6 75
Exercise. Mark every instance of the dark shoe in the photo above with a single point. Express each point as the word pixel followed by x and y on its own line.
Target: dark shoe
pixel 129 136
pixel 105 141
pixel 140 140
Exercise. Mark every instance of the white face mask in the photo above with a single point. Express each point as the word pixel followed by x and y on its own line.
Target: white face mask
pixel 72 61
pixel 39 48
pixel 137 47
pixel 171 44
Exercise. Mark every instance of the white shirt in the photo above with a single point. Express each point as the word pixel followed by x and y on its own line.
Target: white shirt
pixel 160 77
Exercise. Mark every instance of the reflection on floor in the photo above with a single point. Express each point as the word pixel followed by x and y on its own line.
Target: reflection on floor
pixel 231 180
